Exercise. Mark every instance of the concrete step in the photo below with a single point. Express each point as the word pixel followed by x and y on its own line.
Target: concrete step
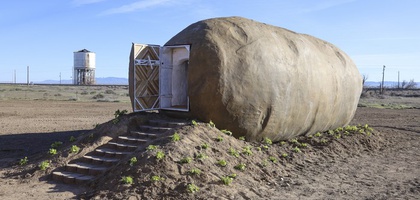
pixel 132 140
pixel 121 146
pixel 86 168
pixel 105 152
pixel 143 135
pixel 100 160
pixel 167 123
pixel 71 177
pixel 154 129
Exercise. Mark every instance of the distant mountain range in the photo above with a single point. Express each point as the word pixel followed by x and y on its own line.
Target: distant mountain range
pixel 99 81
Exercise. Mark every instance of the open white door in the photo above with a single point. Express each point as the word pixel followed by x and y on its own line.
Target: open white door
pixel 161 77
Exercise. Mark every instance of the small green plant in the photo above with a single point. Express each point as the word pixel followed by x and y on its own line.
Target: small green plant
pixel 72 139
pixel 294 141
pixel 258 148
pixel 272 159
pixel 346 133
pixel 240 166
pixel 151 147
pixel 227 132
pixel 201 156
pixel 160 155
pixel 205 146
pixel 339 129
pixel 156 178
pixel 284 155
pixel 186 160
pixel 219 138
pixel 211 124
pixel 242 138
pixel 195 171
pixel 117 115
pixel 268 141
pixel 296 149
pixel 266 147
pixel 233 176
pixel 52 151
pixel 247 151
pixel 74 149
pixel 303 145
pixel 193 123
pixel 23 161
pixel 175 137
pixel 283 143
pixel 233 152
pixel 227 180
pixel 128 180
pixel 222 163
pixel 264 163
pixel 192 188
pixel 337 136
pixel 330 132
pixel 324 141
pixel 133 161
pixel 318 134
pixel 351 128
pixel 44 165
pixel 56 144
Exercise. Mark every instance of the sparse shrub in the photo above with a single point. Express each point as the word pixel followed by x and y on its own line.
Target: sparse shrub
pixel 195 171
pixel 151 147
pixel 222 163
pixel 52 151
pixel 117 114
pixel 175 137
pixel 56 144
pixel 240 166
pixel 44 165
pixel 227 132
pixel 84 92
pixel 156 178
pixel 74 149
pixel 233 152
pixel 109 92
pixel 268 141
pixel 296 149
pixel 127 180
pixel 160 155
pixel 133 161
pixel 186 160
pixel 205 146
pixel 72 139
pixel 23 161
pixel 226 180
pixel 98 96
pixel 192 188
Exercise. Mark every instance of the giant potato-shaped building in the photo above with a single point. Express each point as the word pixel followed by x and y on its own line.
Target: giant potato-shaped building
pixel 259 80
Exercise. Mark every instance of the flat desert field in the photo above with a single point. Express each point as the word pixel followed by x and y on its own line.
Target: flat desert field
pixel 33 117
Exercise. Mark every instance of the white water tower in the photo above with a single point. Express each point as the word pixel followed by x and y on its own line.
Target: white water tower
pixel 84 67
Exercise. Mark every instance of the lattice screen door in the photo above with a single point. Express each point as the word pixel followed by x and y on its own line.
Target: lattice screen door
pixel 146 78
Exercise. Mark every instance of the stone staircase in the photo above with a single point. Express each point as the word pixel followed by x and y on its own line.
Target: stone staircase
pixel 101 159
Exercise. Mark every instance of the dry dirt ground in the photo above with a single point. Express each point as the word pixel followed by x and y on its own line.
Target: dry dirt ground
pixel 385 165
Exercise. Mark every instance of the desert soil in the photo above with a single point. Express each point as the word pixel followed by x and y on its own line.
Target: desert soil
pixel 391 170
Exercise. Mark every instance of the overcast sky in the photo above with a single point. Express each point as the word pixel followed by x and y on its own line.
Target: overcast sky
pixel 43 34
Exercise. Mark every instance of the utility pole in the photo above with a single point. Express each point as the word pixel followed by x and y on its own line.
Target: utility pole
pixel 60 78
pixel 382 85
pixel 14 77
pixel 398 79
pixel 27 75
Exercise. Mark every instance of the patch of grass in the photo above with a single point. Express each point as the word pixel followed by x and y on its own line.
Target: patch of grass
pixel 205 146
pixel 160 155
pixel 44 165
pixel 195 171
pixel 226 180
pixel 74 149
pixel 56 144
pixel 240 166
pixel 268 141
pixel 52 151
pixel 222 163
pixel 192 188
pixel 175 137
pixel 133 161
pixel 128 180
pixel 23 161
pixel 156 178
pixel 296 149
pixel 151 147
pixel 226 132
pixel 233 152
pixel 186 160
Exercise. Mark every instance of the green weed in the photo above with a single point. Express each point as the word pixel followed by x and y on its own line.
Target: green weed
pixel 74 149
pixel 156 178
pixel 192 188
pixel 296 149
pixel 219 138
pixel 194 123
pixel 186 160
pixel 151 147
pixel 44 165
pixel 133 161
pixel 211 124
pixel 272 159
pixel 233 152
pixel 226 180
pixel 242 138
pixel 117 115
pixel 284 155
pixel 268 141
pixel 205 146
pixel 240 166
pixel 23 161
pixel 222 163
pixel 318 134
pixel 227 132
pixel 127 180
pixel 283 143
pixel 160 155
pixel 175 137
pixel 247 151
pixel 195 171
pixel 52 151
pixel 201 156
